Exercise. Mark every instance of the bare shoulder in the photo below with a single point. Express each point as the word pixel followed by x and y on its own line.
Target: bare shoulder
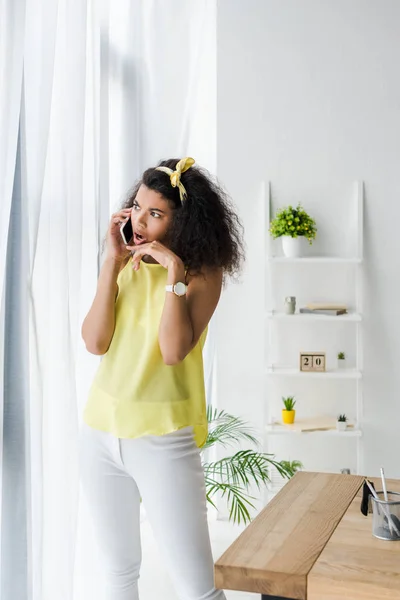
pixel 208 278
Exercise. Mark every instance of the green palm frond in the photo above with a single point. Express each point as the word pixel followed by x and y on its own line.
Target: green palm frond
pixel 226 430
pixel 232 476
pixel 238 501
pixel 291 466
pixel 245 468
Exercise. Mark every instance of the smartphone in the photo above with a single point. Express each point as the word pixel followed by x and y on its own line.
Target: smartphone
pixel 127 231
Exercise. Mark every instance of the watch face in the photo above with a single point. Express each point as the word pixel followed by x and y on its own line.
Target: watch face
pixel 180 289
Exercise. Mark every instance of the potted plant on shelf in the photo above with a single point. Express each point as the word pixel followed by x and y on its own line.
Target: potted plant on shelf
pixel 341 358
pixel 288 413
pixel 293 225
pixel 341 423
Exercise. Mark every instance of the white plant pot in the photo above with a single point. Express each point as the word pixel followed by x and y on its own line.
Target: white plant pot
pixel 341 425
pixel 341 363
pixel 292 247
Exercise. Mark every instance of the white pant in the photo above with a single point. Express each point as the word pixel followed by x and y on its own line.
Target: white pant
pixel 168 472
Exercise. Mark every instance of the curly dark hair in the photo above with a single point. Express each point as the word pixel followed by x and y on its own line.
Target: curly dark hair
pixel 205 230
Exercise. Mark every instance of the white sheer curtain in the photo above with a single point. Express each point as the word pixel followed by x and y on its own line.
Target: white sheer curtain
pixel 11 62
pixel 97 90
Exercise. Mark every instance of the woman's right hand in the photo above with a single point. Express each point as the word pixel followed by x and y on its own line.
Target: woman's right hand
pixel 116 248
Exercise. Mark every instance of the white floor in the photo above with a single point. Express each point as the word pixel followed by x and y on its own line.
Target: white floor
pixel 154 581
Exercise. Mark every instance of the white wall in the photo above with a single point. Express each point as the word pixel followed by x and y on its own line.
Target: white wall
pixel 309 98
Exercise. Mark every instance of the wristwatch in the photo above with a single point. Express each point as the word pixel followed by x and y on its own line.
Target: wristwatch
pixel 179 289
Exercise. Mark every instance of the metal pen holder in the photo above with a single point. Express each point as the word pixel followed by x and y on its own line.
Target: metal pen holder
pixel 386 516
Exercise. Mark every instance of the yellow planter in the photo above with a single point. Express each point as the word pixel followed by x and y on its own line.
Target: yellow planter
pixel 288 416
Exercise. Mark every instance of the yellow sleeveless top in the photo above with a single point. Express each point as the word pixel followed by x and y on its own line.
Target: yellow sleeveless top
pixel 134 393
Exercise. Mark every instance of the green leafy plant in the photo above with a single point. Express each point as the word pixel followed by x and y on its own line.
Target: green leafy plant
pixel 292 465
pixel 233 476
pixel 293 222
pixel 341 356
pixel 342 418
pixel 289 402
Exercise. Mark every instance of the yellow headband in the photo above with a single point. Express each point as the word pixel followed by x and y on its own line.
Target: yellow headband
pixel 175 176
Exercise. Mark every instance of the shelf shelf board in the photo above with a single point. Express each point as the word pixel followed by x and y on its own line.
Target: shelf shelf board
pixel 306 317
pixel 328 374
pixel 283 430
pixel 322 260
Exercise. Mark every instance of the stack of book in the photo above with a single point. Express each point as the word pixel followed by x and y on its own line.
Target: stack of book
pixel 324 308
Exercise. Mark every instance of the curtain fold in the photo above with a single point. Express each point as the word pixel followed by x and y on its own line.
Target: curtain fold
pixel 15 531
pixel 98 91
pixel 11 69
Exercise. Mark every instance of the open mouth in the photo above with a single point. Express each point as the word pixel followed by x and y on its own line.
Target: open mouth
pixel 139 239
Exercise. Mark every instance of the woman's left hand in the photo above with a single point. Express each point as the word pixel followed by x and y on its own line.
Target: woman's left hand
pixel 156 250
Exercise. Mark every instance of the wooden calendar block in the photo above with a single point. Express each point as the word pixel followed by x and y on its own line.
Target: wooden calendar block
pixel 312 361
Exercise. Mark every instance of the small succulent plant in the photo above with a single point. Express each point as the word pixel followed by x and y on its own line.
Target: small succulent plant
pixel 289 402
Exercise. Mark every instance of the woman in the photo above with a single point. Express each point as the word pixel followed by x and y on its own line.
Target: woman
pixel 145 417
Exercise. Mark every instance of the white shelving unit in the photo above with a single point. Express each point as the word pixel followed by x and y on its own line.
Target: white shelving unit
pixel 281 430
pixel 328 374
pixel 274 319
pixel 315 260
pixel 350 317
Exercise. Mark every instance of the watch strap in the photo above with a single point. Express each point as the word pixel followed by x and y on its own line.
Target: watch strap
pixel 174 288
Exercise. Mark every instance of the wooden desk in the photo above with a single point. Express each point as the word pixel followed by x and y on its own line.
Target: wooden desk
pixel 354 565
pixel 301 548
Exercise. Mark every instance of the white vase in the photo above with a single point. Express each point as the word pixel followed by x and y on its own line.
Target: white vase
pixel 290 305
pixel 341 363
pixel 341 425
pixel 292 247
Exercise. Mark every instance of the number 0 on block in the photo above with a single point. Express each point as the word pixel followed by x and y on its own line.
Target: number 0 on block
pixel 312 361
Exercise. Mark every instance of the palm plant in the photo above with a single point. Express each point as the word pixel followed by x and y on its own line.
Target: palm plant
pixel 233 476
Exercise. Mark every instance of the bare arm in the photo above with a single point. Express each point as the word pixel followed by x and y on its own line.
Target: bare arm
pixel 98 326
pixel 184 318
